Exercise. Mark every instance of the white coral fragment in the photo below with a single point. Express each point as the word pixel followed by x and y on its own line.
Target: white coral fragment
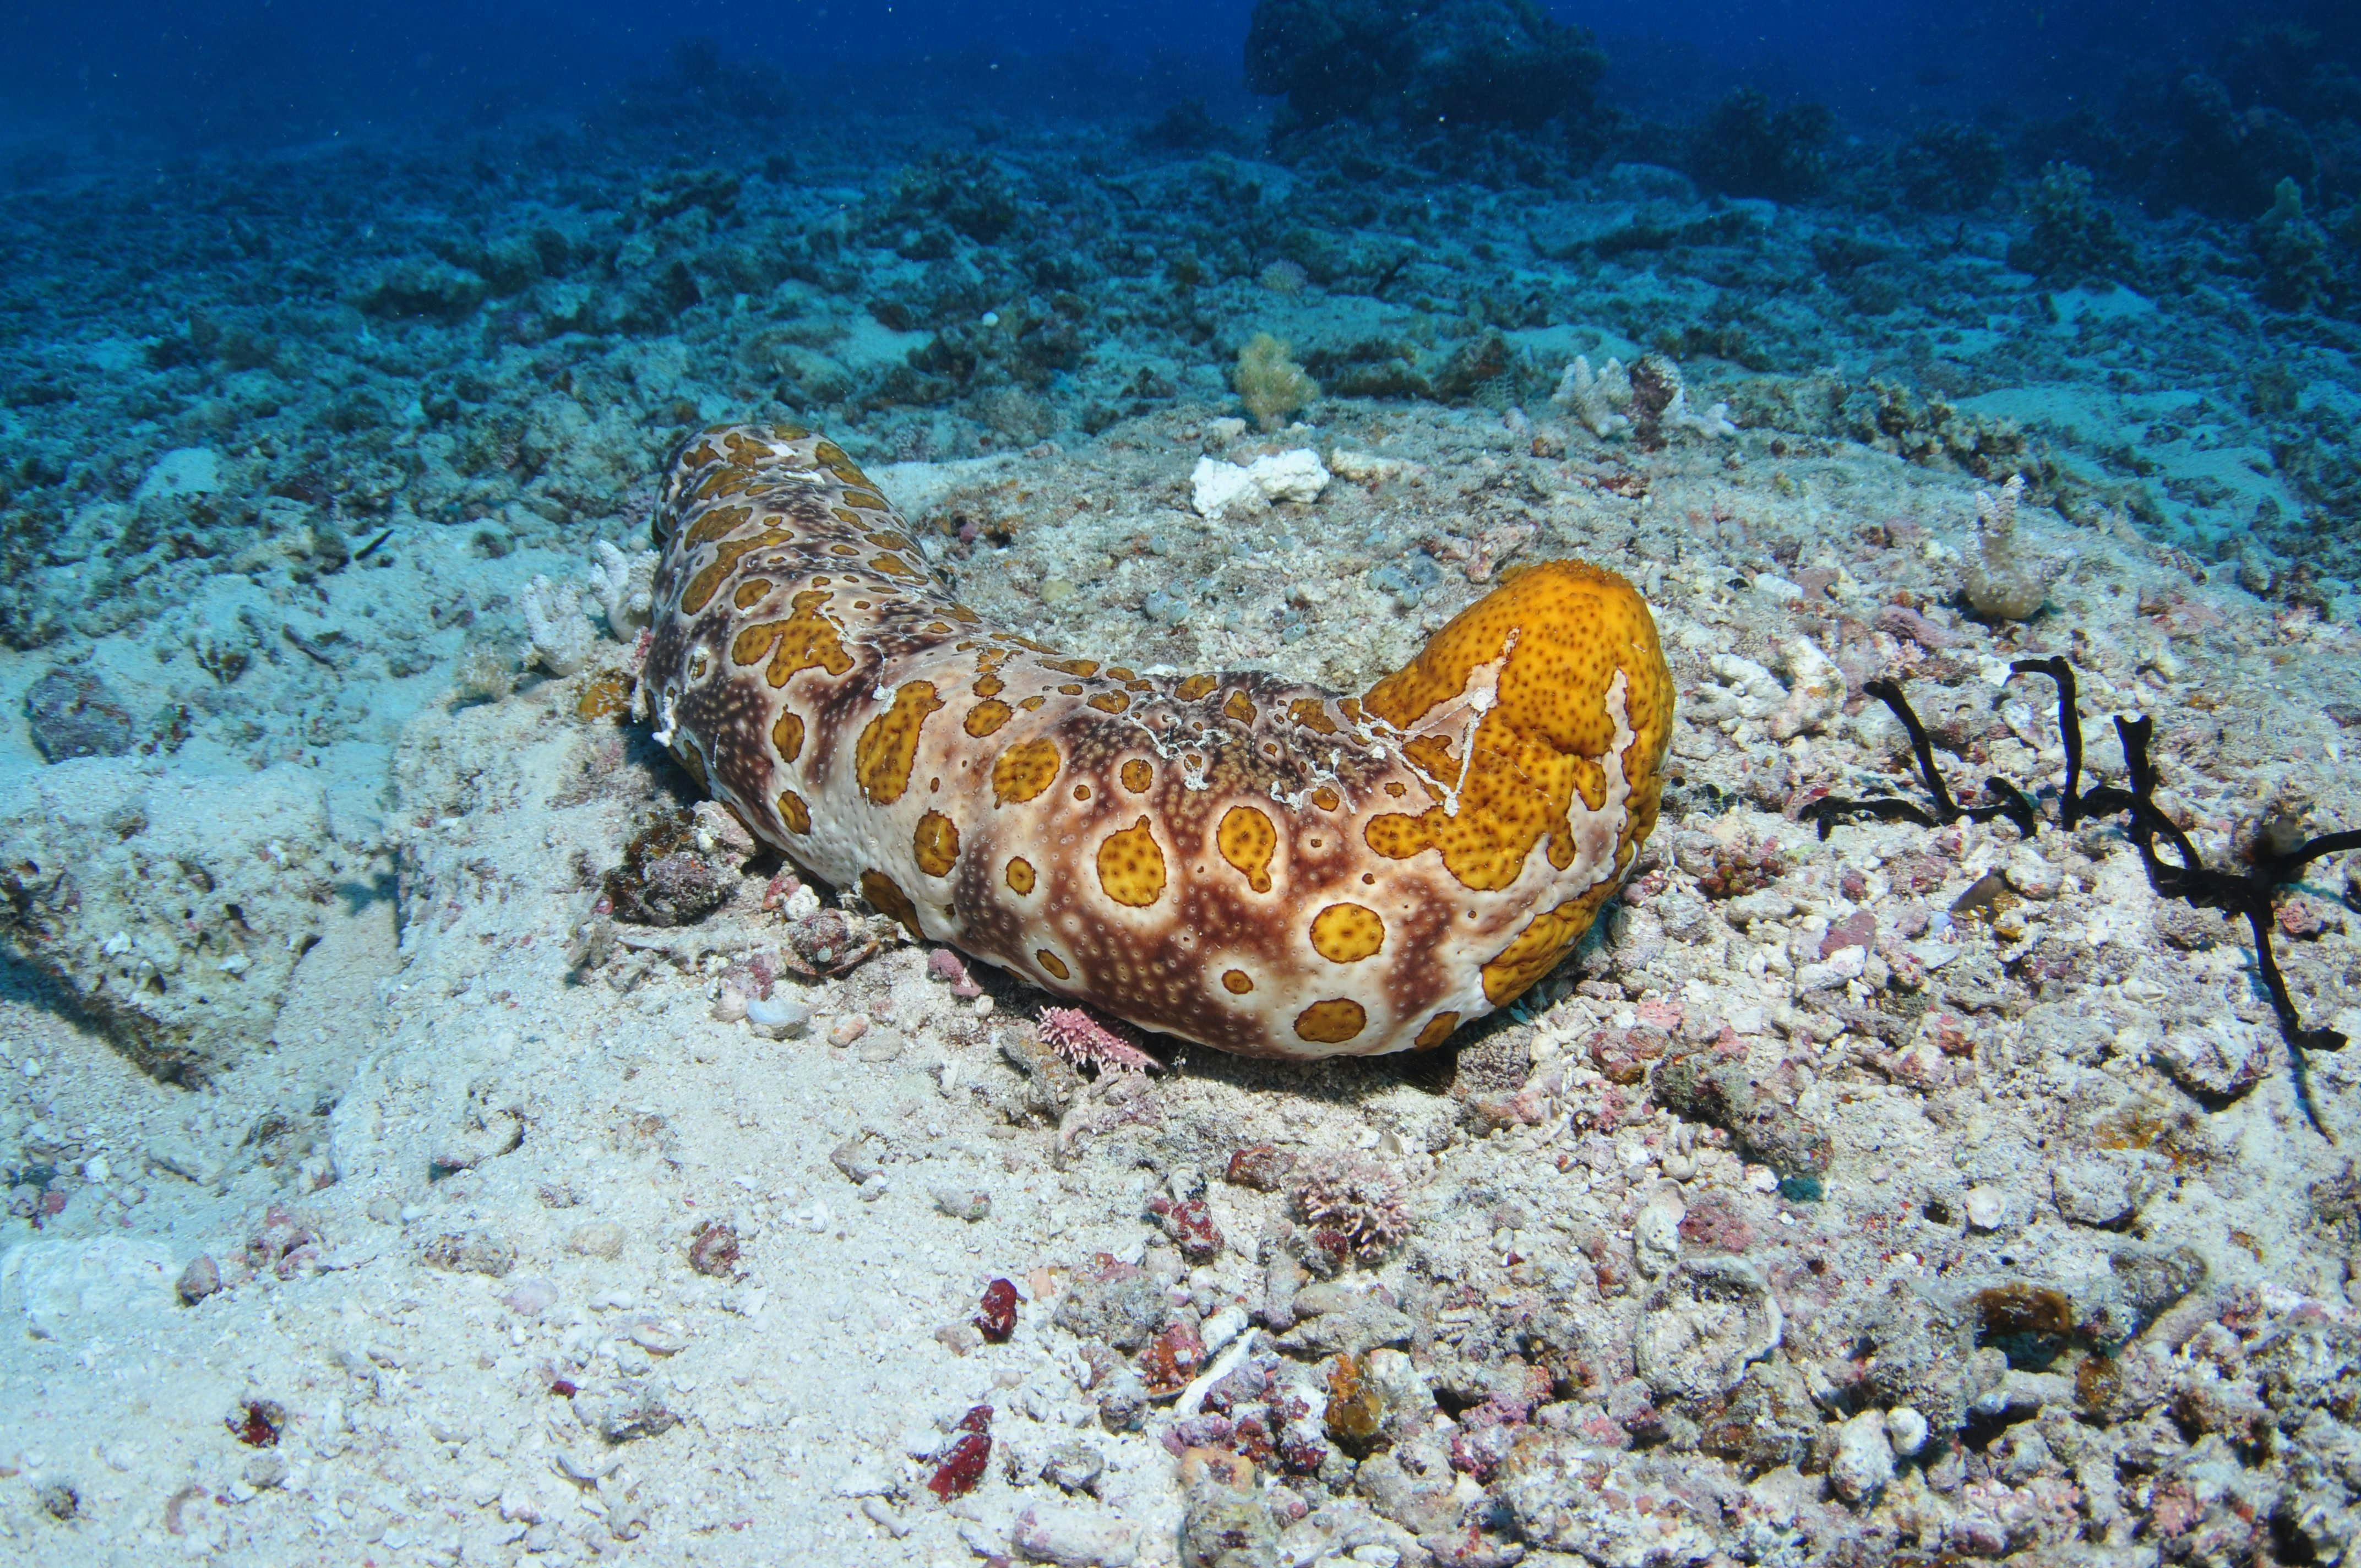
pixel 1738 689
pixel 1815 689
pixel 1217 488
pixel 1602 399
pixel 1597 399
pixel 1714 421
pixel 1998 581
pixel 1368 469
pixel 562 635
pixel 625 588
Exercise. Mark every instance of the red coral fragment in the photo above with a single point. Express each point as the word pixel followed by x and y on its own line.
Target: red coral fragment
pixel 1713 1223
pixel 256 1423
pixel 1300 1452
pixel 998 1318
pixel 1351 1200
pixel 945 964
pixel 1191 1227
pixel 1171 1359
pixel 965 1461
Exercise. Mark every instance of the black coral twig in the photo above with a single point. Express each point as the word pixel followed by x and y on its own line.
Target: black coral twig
pixel 2252 892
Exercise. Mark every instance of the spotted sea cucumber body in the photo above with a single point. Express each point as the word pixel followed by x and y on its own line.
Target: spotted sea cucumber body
pixel 1263 867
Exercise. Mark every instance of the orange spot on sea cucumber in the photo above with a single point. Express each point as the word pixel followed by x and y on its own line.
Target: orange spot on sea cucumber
pixel 882 757
pixel 1326 799
pixel 1248 839
pixel 986 717
pixel 1537 949
pixel 1053 963
pixel 1555 638
pixel 707 582
pixel 787 736
pixel 1438 1029
pixel 806 639
pixel 794 812
pixel 1240 707
pixel 1137 775
pixel 750 592
pixel 1196 688
pixel 1020 874
pixel 1347 933
pixel 1236 981
pixel 935 844
pixel 716 523
pixel 1111 702
pixel 1131 866
pixel 1333 1022
pixel 887 896
pixel 1021 773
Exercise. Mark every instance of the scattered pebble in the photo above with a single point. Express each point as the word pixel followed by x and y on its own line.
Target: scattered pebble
pixel 599 1238
pixel 469 1252
pixel 713 1249
pixel 1864 1458
pixel 963 1202
pixel 200 1280
pixel 778 1017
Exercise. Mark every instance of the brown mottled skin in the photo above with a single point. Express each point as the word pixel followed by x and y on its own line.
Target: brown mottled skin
pixel 1263 867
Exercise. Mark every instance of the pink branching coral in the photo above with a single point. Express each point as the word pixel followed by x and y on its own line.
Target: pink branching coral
pixel 1352 1203
pixel 1084 1041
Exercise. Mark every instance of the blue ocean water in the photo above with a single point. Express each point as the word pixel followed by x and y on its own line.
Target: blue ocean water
pixel 260 68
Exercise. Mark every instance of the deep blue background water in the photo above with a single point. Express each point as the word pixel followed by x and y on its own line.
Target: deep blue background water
pixel 214 69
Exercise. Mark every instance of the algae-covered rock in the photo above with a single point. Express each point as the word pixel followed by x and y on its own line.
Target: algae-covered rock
pixel 174 920
pixel 72 713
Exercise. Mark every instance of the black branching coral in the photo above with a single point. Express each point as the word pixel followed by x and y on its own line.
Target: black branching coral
pixel 2252 892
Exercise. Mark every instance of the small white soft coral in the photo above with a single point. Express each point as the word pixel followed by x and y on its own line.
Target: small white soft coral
pixel 1714 421
pixel 625 588
pixel 1597 399
pixel 1998 581
pixel 562 635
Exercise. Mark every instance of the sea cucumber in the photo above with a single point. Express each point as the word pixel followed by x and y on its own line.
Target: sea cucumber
pixel 1266 868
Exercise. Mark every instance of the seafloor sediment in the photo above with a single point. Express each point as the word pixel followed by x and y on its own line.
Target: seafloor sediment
pixel 399 1173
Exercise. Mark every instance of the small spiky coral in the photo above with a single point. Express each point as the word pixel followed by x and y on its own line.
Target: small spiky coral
pixel 1352 1203
pixel 1084 1041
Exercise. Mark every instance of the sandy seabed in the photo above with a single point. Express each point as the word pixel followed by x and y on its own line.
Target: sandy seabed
pixel 379 1198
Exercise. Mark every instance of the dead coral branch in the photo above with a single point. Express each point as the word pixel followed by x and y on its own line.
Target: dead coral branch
pixel 2252 893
